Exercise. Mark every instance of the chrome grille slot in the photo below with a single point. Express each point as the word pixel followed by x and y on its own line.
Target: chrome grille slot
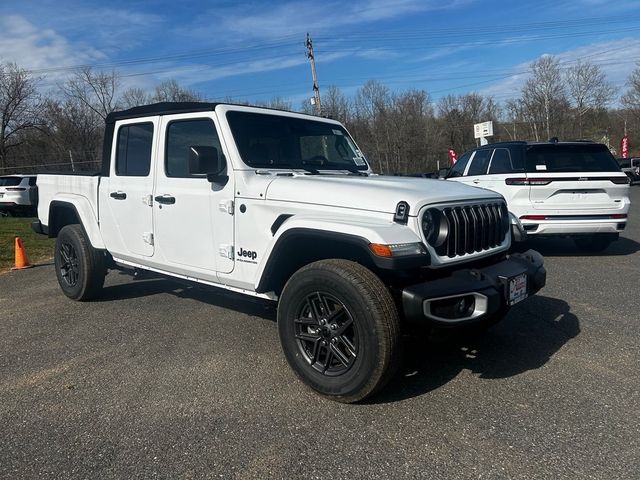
pixel 472 228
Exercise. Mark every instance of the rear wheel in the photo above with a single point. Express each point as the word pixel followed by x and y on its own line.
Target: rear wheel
pixel 80 268
pixel 339 329
pixel 594 243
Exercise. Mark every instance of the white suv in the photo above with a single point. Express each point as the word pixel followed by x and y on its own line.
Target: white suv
pixel 571 189
pixel 18 194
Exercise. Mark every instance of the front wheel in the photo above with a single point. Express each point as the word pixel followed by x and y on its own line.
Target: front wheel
pixel 80 268
pixel 339 329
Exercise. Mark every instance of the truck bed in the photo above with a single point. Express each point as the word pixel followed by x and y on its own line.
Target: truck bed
pixel 54 185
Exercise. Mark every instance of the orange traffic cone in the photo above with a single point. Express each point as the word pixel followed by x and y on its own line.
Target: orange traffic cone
pixel 22 261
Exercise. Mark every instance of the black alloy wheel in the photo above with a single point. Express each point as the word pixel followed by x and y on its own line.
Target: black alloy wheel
pixel 326 334
pixel 69 268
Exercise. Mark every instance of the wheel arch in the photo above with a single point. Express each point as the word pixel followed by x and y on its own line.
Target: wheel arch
pixel 300 246
pixel 69 211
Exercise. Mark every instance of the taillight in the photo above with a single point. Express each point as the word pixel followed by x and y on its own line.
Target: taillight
pixel 16 189
pixel 620 180
pixel 516 181
pixel 528 181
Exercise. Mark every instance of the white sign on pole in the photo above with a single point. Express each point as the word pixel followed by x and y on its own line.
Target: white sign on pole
pixel 484 129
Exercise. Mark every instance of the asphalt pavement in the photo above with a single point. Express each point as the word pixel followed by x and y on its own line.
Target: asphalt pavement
pixel 164 380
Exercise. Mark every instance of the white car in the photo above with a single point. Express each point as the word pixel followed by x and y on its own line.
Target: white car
pixel 18 194
pixel 284 207
pixel 573 189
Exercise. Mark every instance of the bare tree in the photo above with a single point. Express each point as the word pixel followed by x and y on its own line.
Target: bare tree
pixel 96 90
pixel 134 97
pixel 631 98
pixel 335 104
pixel 172 91
pixel 542 90
pixel 588 90
pixel 19 107
pixel 278 103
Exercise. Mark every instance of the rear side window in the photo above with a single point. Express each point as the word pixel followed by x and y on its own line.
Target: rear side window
pixel 133 157
pixel 480 162
pixel 181 136
pixel 570 158
pixel 10 181
pixel 458 168
pixel 501 161
pixel 32 181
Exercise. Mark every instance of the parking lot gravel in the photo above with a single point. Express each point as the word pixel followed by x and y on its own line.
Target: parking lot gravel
pixel 160 379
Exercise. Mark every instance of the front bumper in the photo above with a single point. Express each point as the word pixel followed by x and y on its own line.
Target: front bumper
pixel 486 286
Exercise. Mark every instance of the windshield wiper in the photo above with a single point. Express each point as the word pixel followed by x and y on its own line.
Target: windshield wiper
pixel 355 171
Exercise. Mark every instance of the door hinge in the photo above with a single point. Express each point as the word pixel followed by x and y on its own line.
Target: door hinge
pixel 226 206
pixel 226 251
pixel 148 200
pixel 148 237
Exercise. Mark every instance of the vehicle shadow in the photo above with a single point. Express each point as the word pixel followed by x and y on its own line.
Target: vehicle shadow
pixel 564 247
pixel 530 335
pixel 526 340
pixel 148 284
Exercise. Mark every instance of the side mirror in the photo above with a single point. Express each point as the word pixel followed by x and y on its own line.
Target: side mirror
pixel 206 161
pixel 443 172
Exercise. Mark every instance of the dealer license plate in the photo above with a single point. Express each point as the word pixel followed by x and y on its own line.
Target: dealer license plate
pixel 517 289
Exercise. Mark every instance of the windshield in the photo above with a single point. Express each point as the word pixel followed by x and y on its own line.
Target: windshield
pixel 277 141
pixel 571 158
pixel 10 181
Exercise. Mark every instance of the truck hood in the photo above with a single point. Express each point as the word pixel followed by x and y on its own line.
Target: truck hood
pixel 373 193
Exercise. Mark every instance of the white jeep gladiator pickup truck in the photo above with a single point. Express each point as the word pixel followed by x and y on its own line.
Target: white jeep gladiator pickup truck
pixel 284 206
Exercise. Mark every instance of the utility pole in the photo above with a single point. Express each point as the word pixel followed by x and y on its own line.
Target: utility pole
pixel 316 90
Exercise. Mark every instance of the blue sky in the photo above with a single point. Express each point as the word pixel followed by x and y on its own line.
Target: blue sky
pixel 255 50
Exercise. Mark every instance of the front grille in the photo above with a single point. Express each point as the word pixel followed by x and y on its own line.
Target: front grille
pixel 473 228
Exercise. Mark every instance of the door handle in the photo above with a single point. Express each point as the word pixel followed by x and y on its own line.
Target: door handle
pixel 476 181
pixel 118 195
pixel 165 199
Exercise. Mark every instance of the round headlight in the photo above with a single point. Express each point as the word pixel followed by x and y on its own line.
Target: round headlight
pixel 435 227
pixel 429 227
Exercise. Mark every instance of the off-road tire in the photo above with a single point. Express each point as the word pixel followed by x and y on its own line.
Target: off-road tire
pixel 376 330
pixel 87 264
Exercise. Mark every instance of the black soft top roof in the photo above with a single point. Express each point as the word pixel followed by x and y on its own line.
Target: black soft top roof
pixel 160 108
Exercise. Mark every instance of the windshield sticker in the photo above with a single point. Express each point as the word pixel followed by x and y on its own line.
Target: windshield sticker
pixel 359 161
pixel 541 167
pixel 336 132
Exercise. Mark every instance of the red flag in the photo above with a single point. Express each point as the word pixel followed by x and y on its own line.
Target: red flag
pixel 453 156
pixel 624 147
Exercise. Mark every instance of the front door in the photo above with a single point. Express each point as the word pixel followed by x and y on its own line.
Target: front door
pixel 126 219
pixel 193 217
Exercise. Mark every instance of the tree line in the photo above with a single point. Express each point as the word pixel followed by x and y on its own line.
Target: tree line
pixel 399 131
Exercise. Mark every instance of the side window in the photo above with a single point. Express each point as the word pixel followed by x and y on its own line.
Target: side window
pixel 501 161
pixel 133 157
pixel 458 169
pixel 181 136
pixel 480 162
pixel 32 181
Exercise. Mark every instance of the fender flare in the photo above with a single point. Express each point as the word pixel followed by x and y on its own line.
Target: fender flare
pixel 348 238
pixel 84 213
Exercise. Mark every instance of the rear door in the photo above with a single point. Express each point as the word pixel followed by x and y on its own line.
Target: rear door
pixel 506 176
pixel 126 219
pixel 574 176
